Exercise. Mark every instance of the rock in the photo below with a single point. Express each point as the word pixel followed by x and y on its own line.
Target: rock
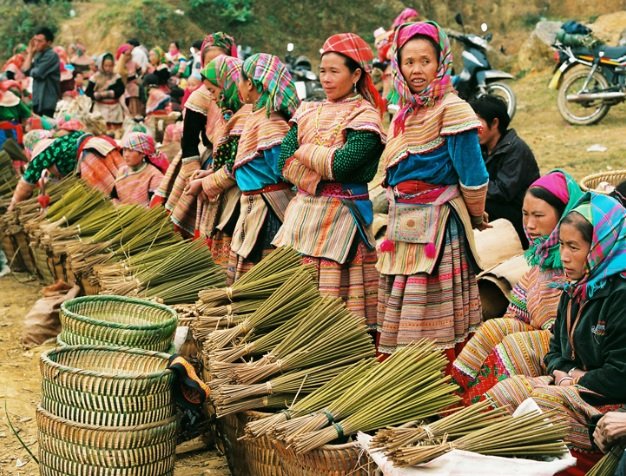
pixel 610 28
pixel 546 31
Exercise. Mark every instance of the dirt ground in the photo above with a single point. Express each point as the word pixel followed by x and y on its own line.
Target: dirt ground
pixel 20 390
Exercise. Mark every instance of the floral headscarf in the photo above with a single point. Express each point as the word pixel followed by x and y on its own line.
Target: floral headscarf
pixel 225 72
pixel 607 254
pixel 221 40
pixel 401 94
pixel 272 79
pixel 544 251
pixel 160 54
pixel 125 48
pixel 32 138
pixel 144 144
pixel 404 17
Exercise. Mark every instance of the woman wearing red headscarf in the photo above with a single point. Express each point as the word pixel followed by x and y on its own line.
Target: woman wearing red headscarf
pixel 436 186
pixel 330 154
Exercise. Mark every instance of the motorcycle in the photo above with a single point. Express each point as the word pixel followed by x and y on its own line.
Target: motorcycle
pixel 589 78
pixel 305 80
pixel 478 78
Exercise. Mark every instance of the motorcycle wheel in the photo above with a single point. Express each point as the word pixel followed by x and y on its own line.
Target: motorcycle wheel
pixel 504 92
pixel 582 114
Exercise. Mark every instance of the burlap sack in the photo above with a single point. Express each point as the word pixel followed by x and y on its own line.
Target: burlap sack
pixel 42 321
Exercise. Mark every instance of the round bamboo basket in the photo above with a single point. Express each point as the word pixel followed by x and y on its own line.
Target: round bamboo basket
pixel 613 177
pixel 118 320
pixel 250 456
pixel 348 459
pixel 107 371
pixel 107 446
pixel 51 464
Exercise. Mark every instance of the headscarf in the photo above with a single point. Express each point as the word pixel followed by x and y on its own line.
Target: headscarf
pixel 144 144
pixel 71 124
pixel 544 251
pixel 7 98
pixel 401 93
pixel 224 72
pixel 607 254
pixel 272 79
pixel 160 54
pixel 32 138
pixel 221 40
pixel 100 61
pixel 125 48
pixel 355 48
pixel 61 53
pixel 405 16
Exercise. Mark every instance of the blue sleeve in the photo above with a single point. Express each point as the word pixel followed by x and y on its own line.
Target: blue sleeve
pixel 272 157
pixel 467 158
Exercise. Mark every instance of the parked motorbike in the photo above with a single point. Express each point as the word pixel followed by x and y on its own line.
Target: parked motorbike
pixel 477 77
pixel 590 79
pixel 305 80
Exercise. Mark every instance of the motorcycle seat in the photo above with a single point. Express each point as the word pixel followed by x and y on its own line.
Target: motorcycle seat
pixel 614 52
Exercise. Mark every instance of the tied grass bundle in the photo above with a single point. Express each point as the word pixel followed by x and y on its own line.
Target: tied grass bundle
pixel 283 304
pixel 608 464
pixel 259 283
pixel 326 332
pixel 275 402
pixel 533 434
pixel 8 177
pixel 312 402
pixel 409 385
pixel 453 426
pixel 94 219
pixel 77 202
pixel 226 398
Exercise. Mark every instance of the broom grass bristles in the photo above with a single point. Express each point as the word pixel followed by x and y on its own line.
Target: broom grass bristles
pixel 608 464
pixel 529 435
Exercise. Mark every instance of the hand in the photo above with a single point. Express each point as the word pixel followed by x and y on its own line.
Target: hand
pixel 562 379
pixel 211 190
pixel 610 429
pixel 194 187
pixel 198 174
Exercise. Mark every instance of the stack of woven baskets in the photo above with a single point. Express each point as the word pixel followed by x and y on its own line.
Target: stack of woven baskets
pixel 106 411
pixel 117 321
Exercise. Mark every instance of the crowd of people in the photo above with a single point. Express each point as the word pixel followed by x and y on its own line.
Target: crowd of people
pixel 259 169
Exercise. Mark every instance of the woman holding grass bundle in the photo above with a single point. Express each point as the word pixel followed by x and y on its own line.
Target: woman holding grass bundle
pixel 586 362
pixel 266 84
pixel 330 154
pixel 517 342
pixel 218 204
pixel 139 178
pixel 203 121
pixel 436 186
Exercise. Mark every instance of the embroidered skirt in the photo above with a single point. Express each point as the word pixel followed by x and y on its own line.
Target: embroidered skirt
pixel 355 281
pixel 500 349
pixel 443 306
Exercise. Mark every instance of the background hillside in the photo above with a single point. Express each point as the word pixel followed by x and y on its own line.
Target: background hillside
pixel 268 25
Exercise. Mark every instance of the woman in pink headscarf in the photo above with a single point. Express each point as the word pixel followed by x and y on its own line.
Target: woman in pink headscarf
pixel 436 186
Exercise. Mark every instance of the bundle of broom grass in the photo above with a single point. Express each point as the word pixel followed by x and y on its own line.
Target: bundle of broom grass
pixel 457 424
pixel 8 177
pixel 174 273
pixel 409 385
pixel 229 306
pixel 608 464
pixel 283 304
pixel 531 435
pixel 325 332
pixel 312 402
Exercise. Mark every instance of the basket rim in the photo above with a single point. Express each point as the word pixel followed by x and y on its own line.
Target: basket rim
pixel 113 298
pixel 113 429
pixel 45 359
pixel 595 175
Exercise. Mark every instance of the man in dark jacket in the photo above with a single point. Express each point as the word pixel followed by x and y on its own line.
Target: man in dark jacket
pixel 43 65
pixel 510 163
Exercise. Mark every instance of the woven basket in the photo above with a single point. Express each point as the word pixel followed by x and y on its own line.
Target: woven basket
pixel 108 372
pixel 330 460
pixel 51 464
pixel 108 446
pixel 118 321
pixel 248 457
pixel 614 177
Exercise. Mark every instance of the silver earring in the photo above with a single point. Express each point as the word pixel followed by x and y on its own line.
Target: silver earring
pixel 354 88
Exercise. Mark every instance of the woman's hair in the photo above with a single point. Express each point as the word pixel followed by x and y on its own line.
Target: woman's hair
pixel 619 193
pixel 433 43
pixel 548 197
pixel 580 223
